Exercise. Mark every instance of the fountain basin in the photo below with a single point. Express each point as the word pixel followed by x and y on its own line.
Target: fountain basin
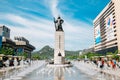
pixel 59 65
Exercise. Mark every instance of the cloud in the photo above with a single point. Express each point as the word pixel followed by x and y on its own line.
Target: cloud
pixel 78 34
pixel 36 37
pixel 40 31
pixel 54 9
pixel 53 6
pixel 28 23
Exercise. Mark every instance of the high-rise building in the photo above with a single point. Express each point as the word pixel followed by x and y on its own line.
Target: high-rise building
pixel 5 31
pixel 5 37
pixel 107 28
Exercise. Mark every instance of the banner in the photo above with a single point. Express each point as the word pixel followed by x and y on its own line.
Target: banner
pixel 109 28
pixel 97 35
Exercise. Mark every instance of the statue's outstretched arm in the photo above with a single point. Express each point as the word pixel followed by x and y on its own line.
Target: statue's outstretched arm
pixel 55 23
pixel 54 20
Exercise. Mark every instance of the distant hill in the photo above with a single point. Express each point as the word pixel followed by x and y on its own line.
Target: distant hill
pixel 48 52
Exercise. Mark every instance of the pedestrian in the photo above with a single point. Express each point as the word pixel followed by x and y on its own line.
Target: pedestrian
pixel 7 62
pixel 102 63
pixel 99 62
pixel 1 62
pixel 114 64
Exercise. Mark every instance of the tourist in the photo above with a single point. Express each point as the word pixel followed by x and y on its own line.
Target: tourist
pixel 102 63
pixel 99 62
pixel 7 62
pixel 118 64
pixel 114 64
pixel 18 60
pixel 95 62
pixel 11 62
pixel 1 62
pixel 15 62
pixel 21 62
pixel 105 64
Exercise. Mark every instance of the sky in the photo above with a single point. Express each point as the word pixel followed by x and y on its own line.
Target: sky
pixel 33 19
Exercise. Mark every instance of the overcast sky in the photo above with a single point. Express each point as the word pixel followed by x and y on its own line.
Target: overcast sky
pixel 33 19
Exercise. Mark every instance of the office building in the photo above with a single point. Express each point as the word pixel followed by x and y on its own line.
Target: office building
pixel 19 44
pixel 23 46
pixel 5 31
pixel 107 28
pixel 5 37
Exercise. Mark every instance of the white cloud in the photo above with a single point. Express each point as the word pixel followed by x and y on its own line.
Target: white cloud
pixel 76 31
pixel 54 9
pixel 40 31
pixel 53 4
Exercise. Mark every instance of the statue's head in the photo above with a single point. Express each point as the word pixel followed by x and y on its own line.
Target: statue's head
pixel 58 17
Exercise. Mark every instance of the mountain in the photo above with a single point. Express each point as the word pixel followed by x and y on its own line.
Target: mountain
pixel 48 52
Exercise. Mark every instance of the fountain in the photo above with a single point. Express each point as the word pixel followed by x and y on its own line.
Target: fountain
pixel 15 62
pixel 59 67
pixel 59 52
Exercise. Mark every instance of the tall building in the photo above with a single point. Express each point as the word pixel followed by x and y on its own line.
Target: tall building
pixel 107 28
pixel 5 31
pixel 5 37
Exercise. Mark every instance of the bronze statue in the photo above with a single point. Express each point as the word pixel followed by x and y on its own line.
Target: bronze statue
pixel 58 24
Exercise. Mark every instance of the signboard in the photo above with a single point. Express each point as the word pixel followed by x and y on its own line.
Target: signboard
pixel 109 28
pixel 97 35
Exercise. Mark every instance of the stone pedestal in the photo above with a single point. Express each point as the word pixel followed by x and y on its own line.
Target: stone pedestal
pixel 59 47
pixel 59 60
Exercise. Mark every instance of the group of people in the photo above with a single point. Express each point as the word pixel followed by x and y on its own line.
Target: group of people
pixel 14 61
pixel 106 64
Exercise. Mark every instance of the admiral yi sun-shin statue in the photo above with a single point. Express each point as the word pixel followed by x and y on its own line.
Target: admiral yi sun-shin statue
pixel 58 24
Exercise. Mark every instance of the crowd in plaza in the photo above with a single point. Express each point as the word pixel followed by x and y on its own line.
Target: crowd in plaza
pixel 104 63
pixel 6 61
pixel 110 66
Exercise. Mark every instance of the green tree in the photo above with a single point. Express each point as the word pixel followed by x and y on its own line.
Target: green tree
pixel 6 51
pixel 36 56
pixel 22 54
pixel 109 53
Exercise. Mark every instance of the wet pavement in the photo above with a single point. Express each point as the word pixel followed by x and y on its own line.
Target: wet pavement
pixel 42 72
pixel 71 73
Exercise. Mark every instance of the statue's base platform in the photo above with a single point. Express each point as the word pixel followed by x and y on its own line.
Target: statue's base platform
pixel 59 65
